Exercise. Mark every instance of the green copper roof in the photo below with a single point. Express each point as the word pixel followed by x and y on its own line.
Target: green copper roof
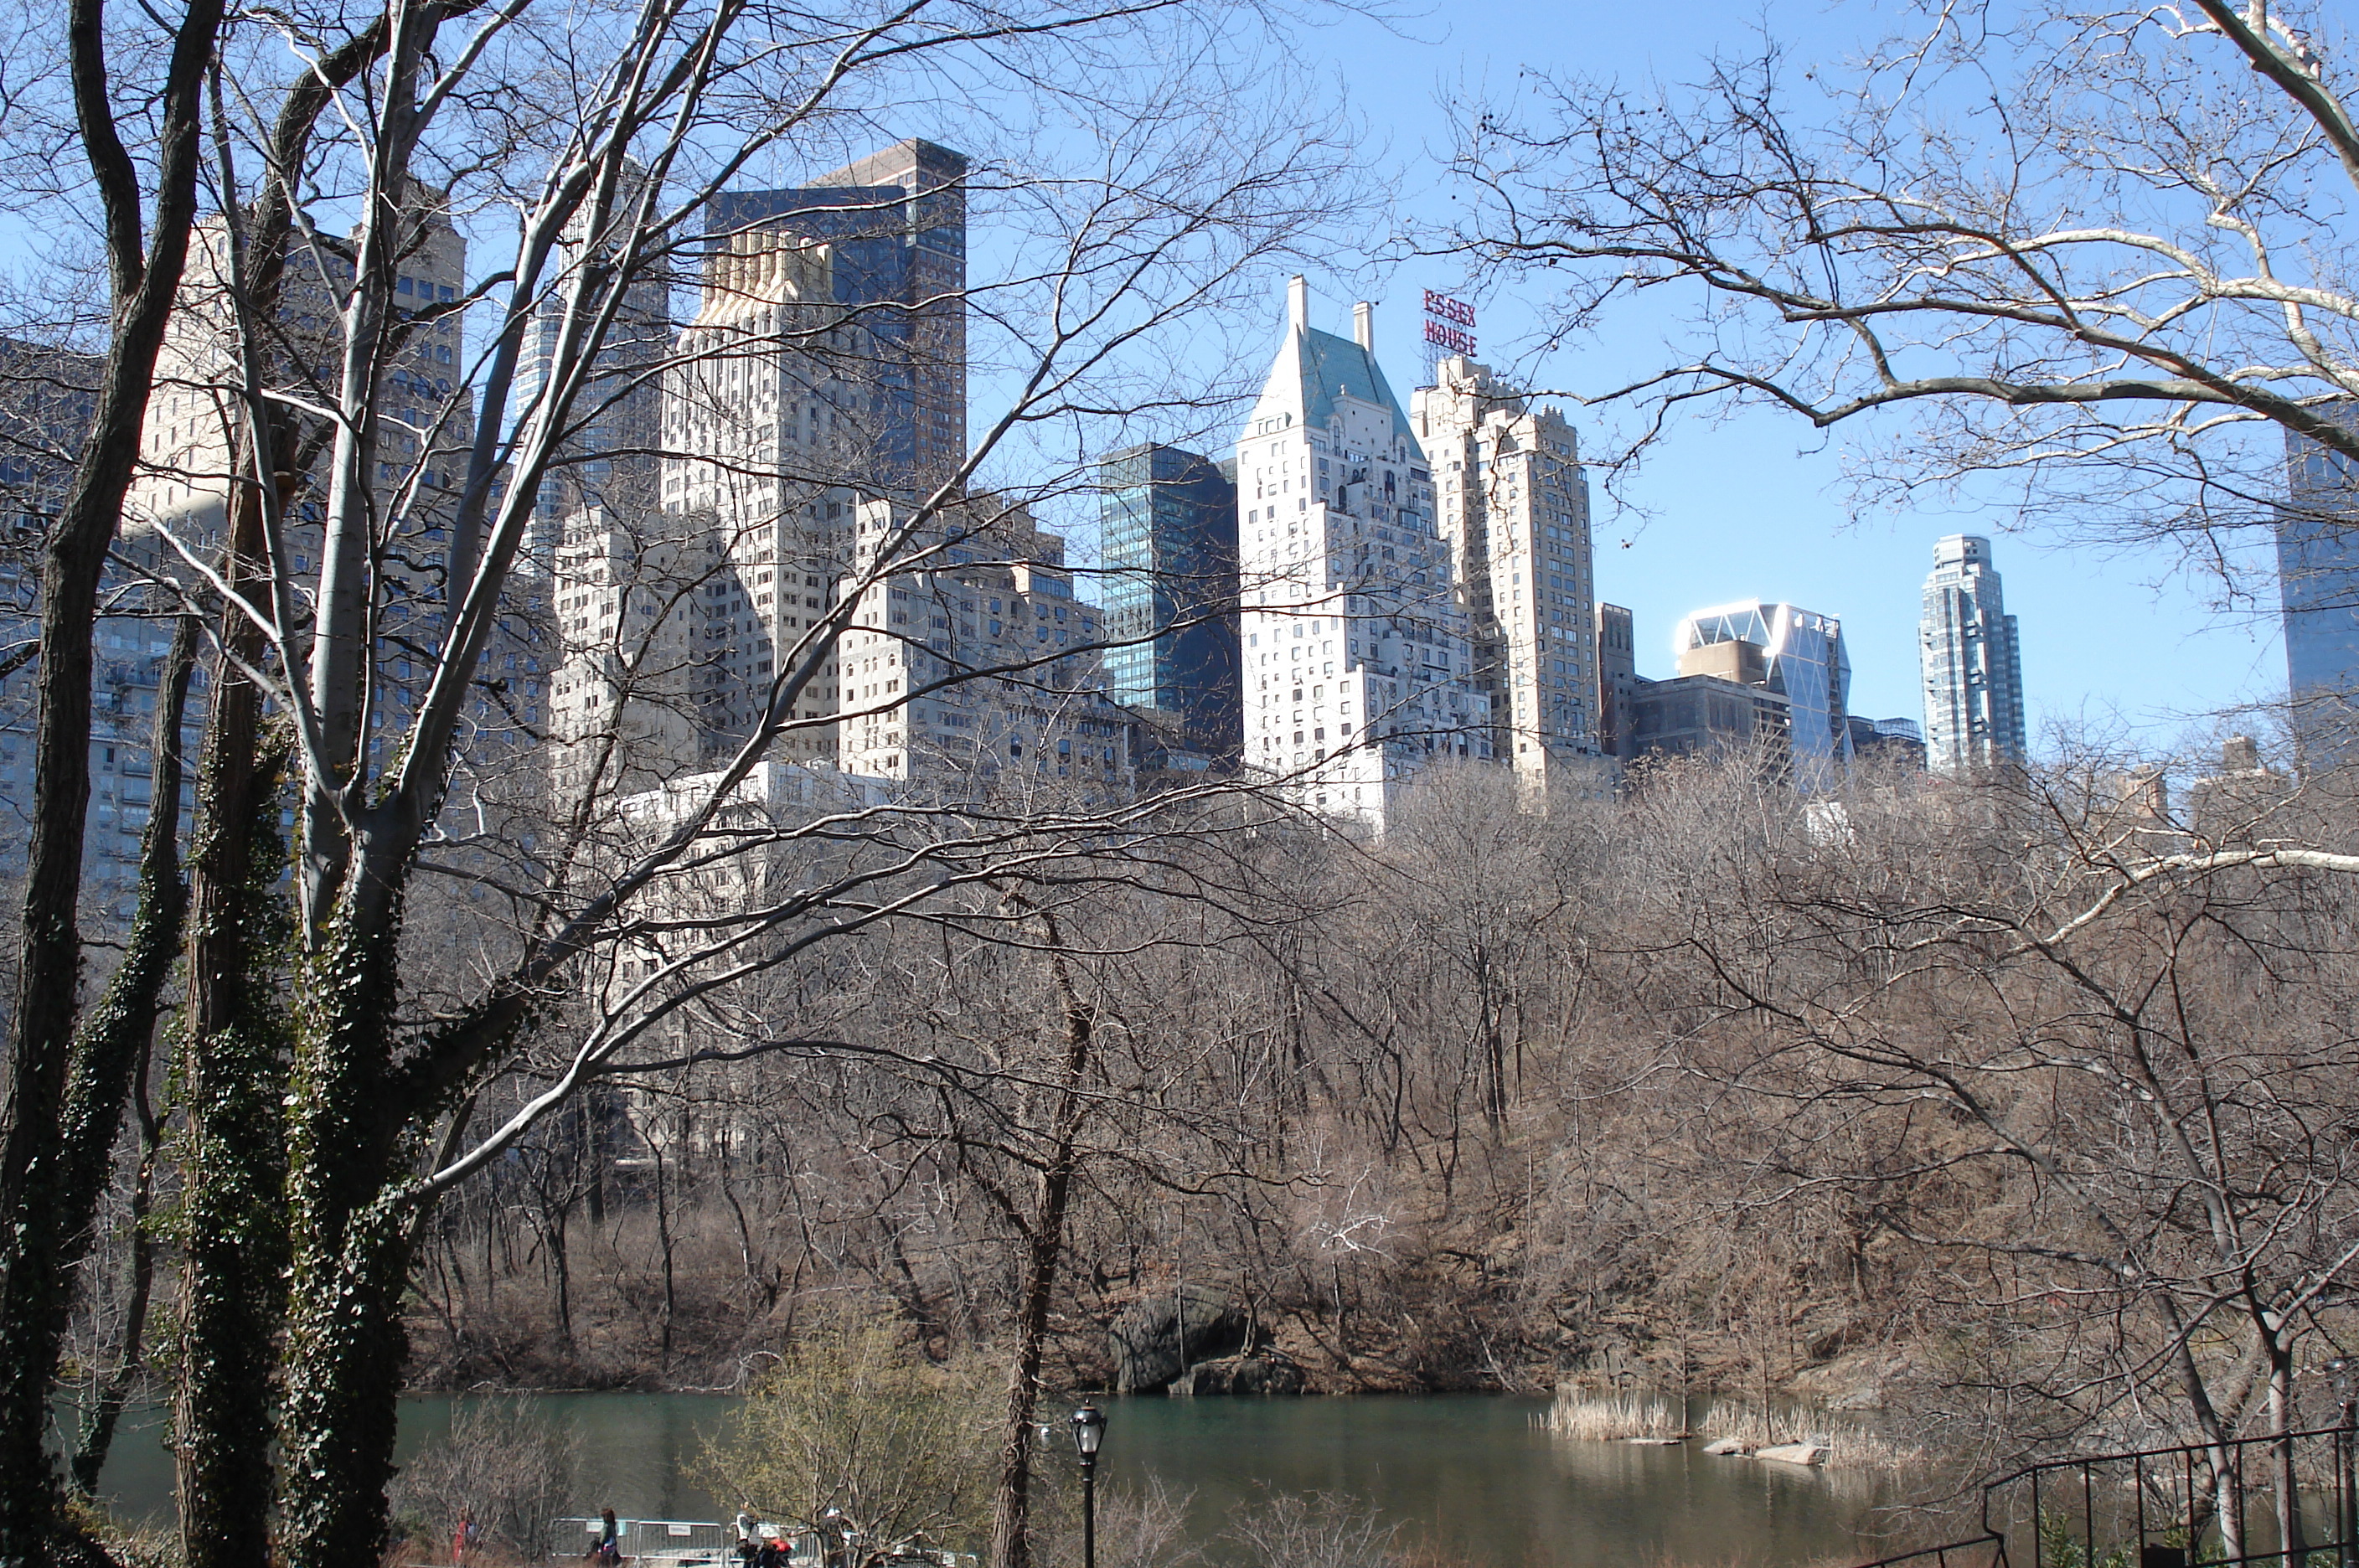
pixel 1332 367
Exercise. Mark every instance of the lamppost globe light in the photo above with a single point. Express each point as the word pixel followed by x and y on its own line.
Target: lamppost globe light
pixel 1089 1430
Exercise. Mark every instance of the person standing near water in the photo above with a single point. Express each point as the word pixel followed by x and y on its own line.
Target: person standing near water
pixel 609 1549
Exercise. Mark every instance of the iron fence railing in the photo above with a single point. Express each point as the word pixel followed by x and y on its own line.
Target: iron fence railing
pixel 2285 1501
pixel 1989 1552
pixel 2288 1501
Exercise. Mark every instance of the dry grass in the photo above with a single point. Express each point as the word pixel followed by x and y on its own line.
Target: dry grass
pixel 1611 1418
pixel 1849 1443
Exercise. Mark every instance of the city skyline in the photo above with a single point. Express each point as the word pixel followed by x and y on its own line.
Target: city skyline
pixel 1747 505
pixel 878 240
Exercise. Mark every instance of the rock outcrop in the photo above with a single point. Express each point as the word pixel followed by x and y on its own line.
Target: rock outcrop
pixel 1157 1338
pixel 1793 1453
pixel 1265 1371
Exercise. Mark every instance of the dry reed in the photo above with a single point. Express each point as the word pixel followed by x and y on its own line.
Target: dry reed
pixel 1612 1418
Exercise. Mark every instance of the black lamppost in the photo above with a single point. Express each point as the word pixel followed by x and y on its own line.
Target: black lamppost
pixel 2346 1466
pixel 1089 1430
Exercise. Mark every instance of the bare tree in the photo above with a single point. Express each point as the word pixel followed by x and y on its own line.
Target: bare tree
pixel 375 528
pixel 49 1201
pixel 2096 254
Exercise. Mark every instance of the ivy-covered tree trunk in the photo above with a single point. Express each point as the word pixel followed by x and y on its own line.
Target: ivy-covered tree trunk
pixel 34 1228
pixel 118 1035
pixel 346 1342
pixel 103 1415
pixel 234 1073
pixel 236 1029
pixel 239 1022
pixel 120 1031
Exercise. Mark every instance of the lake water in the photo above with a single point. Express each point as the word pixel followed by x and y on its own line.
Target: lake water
pixel 1470 1472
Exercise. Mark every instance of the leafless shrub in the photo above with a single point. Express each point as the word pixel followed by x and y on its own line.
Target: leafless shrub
pixel 1319 1530
pixel 505 1466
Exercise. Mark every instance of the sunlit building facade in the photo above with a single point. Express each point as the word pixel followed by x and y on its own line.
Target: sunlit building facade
pixel 1973 668
pixel 1795 653
pixel 1512 503
pixel 1358 670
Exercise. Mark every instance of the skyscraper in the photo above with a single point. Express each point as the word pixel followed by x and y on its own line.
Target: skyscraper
pixel 2318 583
pixel 895 224
pixel 1512 502
pixel 1795 653
pixel 1167 521
pixel 611 459
pixel 756 455
pixel 825 366
pixel 1972 670
pixel 1357 668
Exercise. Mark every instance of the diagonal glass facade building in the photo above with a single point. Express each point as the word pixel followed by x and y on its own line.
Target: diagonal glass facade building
pixel 1797 653
pixel 1168 527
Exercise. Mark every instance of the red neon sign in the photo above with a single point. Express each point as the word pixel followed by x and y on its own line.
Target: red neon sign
pixel 1449 323
pixel 1447 309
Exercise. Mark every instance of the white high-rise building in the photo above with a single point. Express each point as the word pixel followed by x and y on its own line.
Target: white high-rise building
pixel 1512 504
pixel 1356 663
pixel 985 590
pixel 752 407
pixel 1973 668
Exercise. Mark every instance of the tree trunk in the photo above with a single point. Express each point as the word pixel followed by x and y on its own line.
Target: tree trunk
pixel 99 1423
pixel 114 1041
pixel 1011 1504
pixel 235 1074
pixel 35 1289
pixel 119 1031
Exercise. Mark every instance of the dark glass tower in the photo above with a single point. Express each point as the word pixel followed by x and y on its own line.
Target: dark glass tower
pixel 2318 582
pixel 1168 532
pixel 895 223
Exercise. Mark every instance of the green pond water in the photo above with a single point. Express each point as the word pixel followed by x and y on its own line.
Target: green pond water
pixel 1470 1472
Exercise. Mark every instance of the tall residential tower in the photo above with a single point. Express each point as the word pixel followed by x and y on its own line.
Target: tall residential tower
pixel 1357 667
pixel 1512 504
pixel 1974 673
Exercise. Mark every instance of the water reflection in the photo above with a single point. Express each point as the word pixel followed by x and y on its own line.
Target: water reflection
pixel 1469 1472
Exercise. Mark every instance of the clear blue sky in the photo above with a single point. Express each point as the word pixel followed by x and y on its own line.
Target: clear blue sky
pixel 1753 506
